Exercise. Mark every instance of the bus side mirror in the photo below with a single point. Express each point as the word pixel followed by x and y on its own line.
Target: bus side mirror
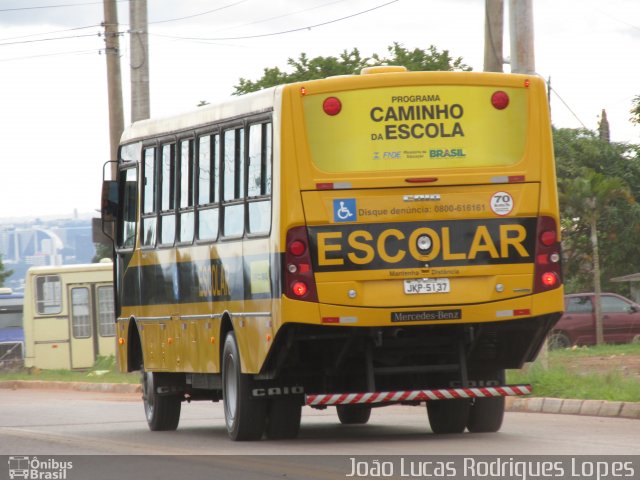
pixel 109 200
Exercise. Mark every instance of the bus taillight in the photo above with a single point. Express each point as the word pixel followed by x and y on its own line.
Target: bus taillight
pixel 548 237
pixel 297 248
pixel 549 279
pixel 299 282
pixel 548 270
pixel 299 289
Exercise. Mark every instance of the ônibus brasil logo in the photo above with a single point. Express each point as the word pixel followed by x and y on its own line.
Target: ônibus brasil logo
pixel 36 469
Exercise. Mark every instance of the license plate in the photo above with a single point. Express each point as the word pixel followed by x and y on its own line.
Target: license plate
pixel 427 285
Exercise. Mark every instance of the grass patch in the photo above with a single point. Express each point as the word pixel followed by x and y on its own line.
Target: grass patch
pixel 566 378
pixel 602 350
pixel 559 383
pixel 104 371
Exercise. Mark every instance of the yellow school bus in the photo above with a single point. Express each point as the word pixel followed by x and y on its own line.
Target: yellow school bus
pixel 68 315
pixel 357 241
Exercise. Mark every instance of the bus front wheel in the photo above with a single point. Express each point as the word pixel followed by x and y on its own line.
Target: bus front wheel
pixel 245 416
pixel 162 411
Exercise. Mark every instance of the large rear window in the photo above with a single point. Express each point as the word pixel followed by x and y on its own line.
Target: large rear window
pixel 417 128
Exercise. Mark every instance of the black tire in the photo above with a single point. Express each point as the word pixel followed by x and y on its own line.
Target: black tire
pixel 448 416
pixel 244 416
pixel 558 340
pixel 162 411
pixel 283 420
pixel 353 414
pixel 486 414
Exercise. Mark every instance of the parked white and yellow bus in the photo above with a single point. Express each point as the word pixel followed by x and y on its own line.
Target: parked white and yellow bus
pixel 68 315
pixel 357 241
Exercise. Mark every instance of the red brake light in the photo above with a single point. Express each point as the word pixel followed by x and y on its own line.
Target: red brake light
pixel 548 237
pixel 549 279
pixel 297 248
pixel 500 100
pixel 332 106
pixel 299 289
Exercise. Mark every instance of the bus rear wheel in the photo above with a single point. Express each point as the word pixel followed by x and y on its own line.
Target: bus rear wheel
pixel 353 414
pixel 486 414
pixel 448 416
pixel 245 416
pixel 162 411
pixel 283 420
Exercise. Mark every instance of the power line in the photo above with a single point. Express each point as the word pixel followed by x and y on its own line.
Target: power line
pixel 304 10
pixel 568 107
pixel 199 14
pixel 50 33
pixel 49 39
pixel 293 30
pixel 42 7
pixel 76 52
pixel 607 14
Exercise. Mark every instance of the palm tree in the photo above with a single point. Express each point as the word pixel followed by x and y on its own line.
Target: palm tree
pixel 585 199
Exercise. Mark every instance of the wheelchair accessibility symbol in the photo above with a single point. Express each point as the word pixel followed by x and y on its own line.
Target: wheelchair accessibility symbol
pixel 344 210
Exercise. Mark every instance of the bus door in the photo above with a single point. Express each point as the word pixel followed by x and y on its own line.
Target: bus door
pixel 106 319
pixel 83 325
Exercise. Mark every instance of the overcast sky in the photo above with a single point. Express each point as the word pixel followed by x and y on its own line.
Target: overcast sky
pixel 53 104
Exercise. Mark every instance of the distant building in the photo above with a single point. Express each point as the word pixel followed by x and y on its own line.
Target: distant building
pixel 41 243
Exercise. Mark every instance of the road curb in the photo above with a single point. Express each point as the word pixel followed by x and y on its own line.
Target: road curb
pixel 593 408
pixel 77 386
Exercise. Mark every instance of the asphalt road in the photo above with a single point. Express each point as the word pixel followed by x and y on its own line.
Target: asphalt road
pixel 60 423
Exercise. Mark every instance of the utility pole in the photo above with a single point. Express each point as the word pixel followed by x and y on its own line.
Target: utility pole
pixel 139 60
pixel 114 79
pixel 493 35
pixel 521 29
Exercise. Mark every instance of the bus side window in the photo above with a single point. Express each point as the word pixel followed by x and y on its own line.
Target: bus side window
pixel 48 295
pixel 259 178
pixel 208 185
pixel 149 217
pixel 168 195
pixel 186 215
pixel 127 216
pixel 233 182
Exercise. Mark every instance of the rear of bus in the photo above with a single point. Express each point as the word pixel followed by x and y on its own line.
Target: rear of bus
pixel 420 229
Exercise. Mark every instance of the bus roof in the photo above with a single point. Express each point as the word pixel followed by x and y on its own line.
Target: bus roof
pixel 59 269
pixel 264 100
pixel 256 102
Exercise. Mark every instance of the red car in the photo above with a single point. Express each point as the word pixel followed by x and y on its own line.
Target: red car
pixel 620 320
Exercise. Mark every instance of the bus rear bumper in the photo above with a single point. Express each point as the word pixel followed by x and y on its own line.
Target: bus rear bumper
pixel 412 396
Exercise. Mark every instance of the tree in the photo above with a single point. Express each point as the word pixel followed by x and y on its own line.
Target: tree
pixel 635 110
pixel 4 274
pixel 349 63
pixel 586 199
pixel 618 228
pixel 103 250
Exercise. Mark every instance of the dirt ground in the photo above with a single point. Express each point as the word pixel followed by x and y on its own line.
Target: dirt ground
pixel 627 365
